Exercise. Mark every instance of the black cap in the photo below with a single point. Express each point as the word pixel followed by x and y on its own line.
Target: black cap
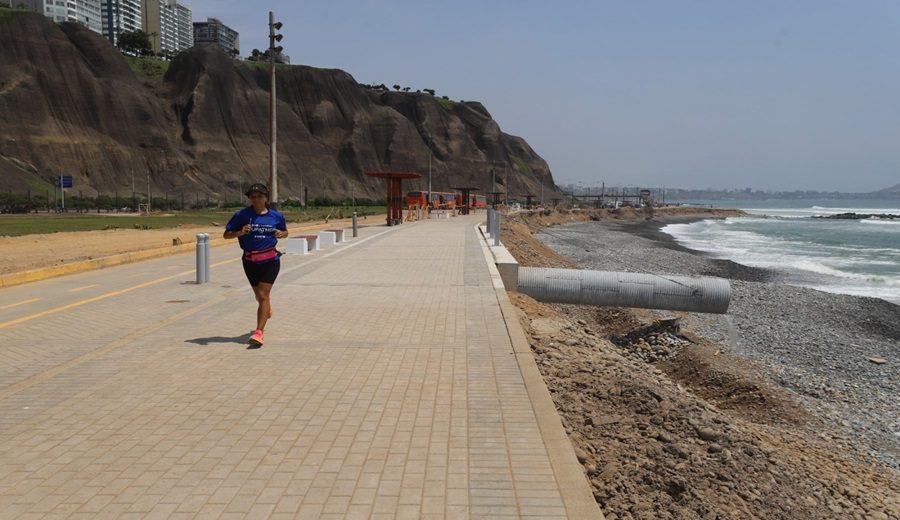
pixel 257 187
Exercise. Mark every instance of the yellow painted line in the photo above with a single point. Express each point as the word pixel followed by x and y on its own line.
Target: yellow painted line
pixel 7 280
pixel 163 279
pixel 10 306
pixel 101 297
pixel 83 288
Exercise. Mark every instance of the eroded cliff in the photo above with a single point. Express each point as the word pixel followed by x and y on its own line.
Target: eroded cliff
pixel 69 104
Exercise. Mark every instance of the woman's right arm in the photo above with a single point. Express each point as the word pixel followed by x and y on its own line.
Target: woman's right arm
pixel 237 233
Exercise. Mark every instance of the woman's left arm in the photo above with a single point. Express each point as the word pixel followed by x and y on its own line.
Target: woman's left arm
pixel 281 229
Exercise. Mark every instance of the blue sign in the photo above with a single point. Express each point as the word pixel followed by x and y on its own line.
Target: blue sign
pixel 64 181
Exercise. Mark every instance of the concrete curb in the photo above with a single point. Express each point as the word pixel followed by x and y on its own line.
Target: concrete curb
pixel 35 275
pixel 573 484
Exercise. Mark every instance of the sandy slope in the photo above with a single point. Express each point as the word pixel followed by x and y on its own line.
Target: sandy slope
pixel 670 426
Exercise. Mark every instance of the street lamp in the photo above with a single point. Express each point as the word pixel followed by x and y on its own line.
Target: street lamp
pixel 273 161
pixel 429 165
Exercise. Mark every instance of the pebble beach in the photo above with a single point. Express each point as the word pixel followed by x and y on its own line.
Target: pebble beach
pixel 838 354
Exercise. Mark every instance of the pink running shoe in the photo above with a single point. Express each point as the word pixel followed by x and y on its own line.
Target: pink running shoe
pixel 256 339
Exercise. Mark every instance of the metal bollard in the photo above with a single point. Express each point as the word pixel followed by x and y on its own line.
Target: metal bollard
pixel 488 223
pixel 202 258
pixel 355 230
pixel 496 234
pixel 206 256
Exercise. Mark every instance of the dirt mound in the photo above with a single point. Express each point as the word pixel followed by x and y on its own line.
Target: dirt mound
pixel 732 385
pixel 697 435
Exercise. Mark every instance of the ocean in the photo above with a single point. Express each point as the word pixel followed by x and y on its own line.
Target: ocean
pixel 858 257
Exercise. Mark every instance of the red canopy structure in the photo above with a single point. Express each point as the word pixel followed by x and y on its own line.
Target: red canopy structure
pixel 394 183
pixel 466 195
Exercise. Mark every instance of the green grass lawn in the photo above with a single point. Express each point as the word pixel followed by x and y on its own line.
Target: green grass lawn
pixel 150 67
pixel 41 223
pixel 9 12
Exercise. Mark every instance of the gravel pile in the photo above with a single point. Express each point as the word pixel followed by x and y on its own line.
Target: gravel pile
pixel 839 354
pixel 657 342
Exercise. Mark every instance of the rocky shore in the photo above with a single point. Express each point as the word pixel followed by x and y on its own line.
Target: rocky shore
pixel 786 407
pixel 839 354
pixel 860 216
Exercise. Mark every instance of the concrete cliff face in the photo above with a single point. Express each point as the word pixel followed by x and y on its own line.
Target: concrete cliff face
pixel 70 104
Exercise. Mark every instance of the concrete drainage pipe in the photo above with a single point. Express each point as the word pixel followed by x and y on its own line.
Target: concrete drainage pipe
pixel 646 291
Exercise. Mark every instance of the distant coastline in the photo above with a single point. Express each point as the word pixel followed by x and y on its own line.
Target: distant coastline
pixel 678 195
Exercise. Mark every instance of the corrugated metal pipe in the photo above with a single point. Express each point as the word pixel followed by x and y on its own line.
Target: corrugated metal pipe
pixel 647 291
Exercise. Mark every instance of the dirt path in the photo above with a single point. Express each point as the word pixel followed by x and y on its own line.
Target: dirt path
pixel 28 252
pixel 668 427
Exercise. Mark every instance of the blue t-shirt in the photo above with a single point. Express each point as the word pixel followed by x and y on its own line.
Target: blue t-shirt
pixel 262 234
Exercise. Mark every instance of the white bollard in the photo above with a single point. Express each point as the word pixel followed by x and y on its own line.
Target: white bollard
pixel 296 246
pixel 326 238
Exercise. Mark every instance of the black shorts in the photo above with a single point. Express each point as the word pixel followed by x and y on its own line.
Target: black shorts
pixel 265 272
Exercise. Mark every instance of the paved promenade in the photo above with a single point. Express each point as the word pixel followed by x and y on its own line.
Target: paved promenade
pixel 390 386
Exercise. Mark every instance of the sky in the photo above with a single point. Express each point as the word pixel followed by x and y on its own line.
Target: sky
pixel 777 95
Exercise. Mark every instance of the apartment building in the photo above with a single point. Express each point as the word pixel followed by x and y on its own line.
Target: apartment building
pixel 214 31
pixel 168 24
pixel 84 12
pixel 121 16
pixel 184 27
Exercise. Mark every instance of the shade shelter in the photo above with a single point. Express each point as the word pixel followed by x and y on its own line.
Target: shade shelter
pixel 495 195
pixel 394 183
pixel 466 191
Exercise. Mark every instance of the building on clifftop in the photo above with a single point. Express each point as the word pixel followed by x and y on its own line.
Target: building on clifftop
pixel 120 16
pixel 84 12
pixel 168 24
pixel 214 31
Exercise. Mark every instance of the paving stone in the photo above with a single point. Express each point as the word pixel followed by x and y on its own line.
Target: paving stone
pixel 387 386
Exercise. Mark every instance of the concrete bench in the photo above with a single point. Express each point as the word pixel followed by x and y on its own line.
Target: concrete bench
pixel 338 235
pixel 312 240
pixel 326 238
pixel 296 246
pixel 439 214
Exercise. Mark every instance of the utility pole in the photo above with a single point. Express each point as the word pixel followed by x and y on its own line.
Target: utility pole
pixel 273 157
pixel 133 192
pixel 148 193
pixel 506 182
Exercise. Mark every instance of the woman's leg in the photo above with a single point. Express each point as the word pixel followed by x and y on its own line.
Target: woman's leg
pixel 262 292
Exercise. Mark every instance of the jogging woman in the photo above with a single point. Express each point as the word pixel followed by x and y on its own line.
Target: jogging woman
pixel 258 229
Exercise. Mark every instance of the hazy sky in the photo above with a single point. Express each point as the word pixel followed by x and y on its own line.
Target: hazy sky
pixel 775 95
